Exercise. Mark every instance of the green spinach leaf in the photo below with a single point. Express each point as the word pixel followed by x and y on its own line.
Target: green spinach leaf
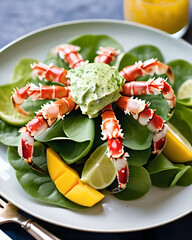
pixel 159 104
pixel 79 127
pixel 138 185
pixel 138 157
pixel 182 120
pixel 36 184
pixel 55 132
pixel 127 60
pixel 161 163
pixel 136 136
pixel 145 52
pixel 71 137
pixel 56 61
pixel 34 106
pixel 186 178
pixel 167 174
pixel 182 71
pixel 90 44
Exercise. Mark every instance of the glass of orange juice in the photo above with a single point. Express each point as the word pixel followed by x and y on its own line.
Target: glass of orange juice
pixel 171 16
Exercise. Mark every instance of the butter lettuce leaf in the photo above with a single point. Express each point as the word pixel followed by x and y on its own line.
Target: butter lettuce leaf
pixel 9 134
pixel 21 76
pixel 7 110
pixel 23 69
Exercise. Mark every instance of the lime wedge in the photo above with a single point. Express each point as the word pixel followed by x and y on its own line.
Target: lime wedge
pixel 177 148
pixel 99 170
pixel 21 76
pixel 7 111
pixel 185 92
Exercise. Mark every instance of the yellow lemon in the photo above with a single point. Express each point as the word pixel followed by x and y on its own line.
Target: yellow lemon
pixel 177 148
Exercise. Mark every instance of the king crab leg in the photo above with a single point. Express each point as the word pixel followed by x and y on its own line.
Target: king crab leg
pixel 44 119
pixel 112 132
pixel 152 86
pixel 106 55
pixel 50 73
pixel 111 129
pixel 149 67
pixel 146 117
pixel 25 149
pixel 70 54
pixel 37 92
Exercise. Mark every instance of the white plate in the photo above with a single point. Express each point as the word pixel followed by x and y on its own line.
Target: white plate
pixel 158 206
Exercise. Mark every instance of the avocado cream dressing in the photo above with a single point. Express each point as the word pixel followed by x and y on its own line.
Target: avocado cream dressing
pixel 95 85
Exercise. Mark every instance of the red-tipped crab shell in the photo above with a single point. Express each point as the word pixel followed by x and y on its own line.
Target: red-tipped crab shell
pixel 85 82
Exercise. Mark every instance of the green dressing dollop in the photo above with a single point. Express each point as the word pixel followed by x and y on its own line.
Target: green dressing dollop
pixel 94 86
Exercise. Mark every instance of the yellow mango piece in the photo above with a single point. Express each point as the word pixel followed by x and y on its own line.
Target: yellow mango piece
pixel 56 166
pixel 84 194
pixel 177 148
pixel 68 181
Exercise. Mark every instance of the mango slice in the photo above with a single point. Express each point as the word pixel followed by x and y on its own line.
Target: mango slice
pixel 68 182
pixel 81 193
pixel 177 148
pixel 56 166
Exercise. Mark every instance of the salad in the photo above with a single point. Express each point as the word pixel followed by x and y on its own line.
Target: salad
pixel 134 149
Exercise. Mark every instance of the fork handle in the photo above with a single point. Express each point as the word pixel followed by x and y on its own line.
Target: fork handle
pixel 37 231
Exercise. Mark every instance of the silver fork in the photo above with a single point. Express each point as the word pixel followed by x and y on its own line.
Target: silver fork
pixel 9 213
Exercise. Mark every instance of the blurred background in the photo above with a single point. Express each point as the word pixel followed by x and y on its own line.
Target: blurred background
pixel 23 16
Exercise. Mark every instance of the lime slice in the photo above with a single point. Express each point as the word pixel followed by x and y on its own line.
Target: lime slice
pixel 177 148
pixel 7 111
pixel 185 92
pixel 99 170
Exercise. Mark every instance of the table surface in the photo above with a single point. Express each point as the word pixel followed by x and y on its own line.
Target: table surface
pixel 25 16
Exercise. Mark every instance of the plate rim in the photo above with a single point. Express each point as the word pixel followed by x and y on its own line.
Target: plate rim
pixel 94 230
pixel 73 22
